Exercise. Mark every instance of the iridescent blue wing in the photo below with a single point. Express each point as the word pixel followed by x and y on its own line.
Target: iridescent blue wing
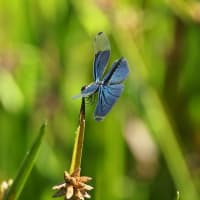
pixel 100 62
pixel 108 95
pixel 102 54
pixel 87 91
pixel 117 73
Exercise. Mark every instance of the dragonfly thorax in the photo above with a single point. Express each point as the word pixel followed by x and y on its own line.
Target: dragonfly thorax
pixel 100 82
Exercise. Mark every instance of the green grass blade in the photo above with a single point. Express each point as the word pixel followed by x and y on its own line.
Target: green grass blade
pixel 26 167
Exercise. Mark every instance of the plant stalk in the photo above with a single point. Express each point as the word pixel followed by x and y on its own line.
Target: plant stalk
pixel 78 144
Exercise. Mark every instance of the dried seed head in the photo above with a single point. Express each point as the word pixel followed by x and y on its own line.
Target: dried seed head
pixel 74 187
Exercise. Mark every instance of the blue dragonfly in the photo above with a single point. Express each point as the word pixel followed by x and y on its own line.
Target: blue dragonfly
pixel 108 87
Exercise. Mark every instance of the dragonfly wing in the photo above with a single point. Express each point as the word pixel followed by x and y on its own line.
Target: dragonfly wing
pixel 102 54
pixel 101 42
pixel 118 72
pixel 108 95
pixel 100 62
pixel 87 91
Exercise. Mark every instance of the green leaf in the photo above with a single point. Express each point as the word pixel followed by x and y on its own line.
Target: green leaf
pixel 26 167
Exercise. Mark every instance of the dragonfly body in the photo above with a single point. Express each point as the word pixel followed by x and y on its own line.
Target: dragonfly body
pixel 110 86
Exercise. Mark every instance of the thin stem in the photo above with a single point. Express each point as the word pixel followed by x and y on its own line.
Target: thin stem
pixel 78 144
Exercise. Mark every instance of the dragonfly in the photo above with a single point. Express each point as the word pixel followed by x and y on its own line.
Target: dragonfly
pixel 109 87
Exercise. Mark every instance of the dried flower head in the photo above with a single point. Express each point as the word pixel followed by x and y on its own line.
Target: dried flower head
pixel 74 187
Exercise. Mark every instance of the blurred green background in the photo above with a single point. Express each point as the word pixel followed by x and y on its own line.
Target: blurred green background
pixel 148 146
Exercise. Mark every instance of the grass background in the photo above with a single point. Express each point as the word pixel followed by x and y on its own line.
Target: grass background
pixel 148 146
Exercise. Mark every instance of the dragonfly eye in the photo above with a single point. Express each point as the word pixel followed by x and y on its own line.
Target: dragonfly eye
pixel 83 87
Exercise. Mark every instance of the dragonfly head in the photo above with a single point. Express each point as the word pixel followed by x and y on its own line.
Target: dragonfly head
pixel 83 87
